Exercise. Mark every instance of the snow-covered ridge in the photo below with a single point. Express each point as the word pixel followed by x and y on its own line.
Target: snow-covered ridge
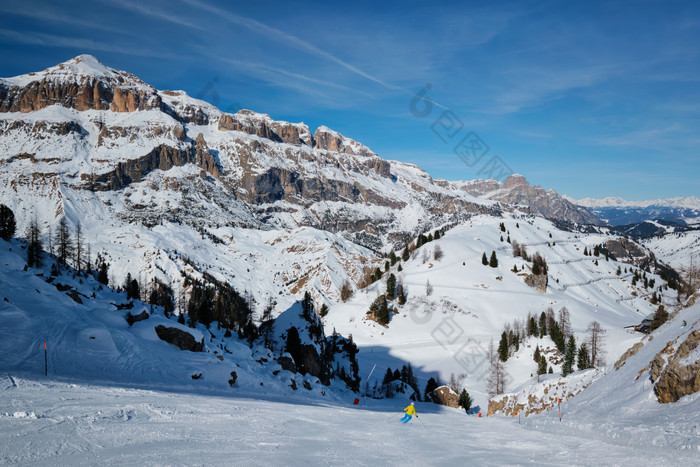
pixel 79 68
pixel 690 202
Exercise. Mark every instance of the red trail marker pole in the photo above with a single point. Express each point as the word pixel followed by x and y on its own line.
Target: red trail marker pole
pixel 559 407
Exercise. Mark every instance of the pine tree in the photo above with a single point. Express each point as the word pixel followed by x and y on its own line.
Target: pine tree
pixel 484 260
pixel 660 317
pixel 537 355
pixel 543 324
pixel 8 225
pixel 405 255
pixel 533 331
pixel 391 286
pixel 307 306
pixel 494 261
pixel 323 311
pixel 401 294
pixel 381 310
pixel 393 258
pixel 102 276
pixel 542 367
pixel 431 386
pixel 583 360
pixel 557 336
pixel 569 357
pixel 503 347
pixel 465 401
pixel 388 377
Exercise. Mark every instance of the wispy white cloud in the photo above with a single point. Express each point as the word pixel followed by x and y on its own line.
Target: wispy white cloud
pixel 51 40
pixel 285 38
pixel 48 15
pixel 667 138
pixel 153 13
pixel 281 76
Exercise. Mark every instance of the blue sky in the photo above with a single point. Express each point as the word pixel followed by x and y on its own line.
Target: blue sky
pixel 588 98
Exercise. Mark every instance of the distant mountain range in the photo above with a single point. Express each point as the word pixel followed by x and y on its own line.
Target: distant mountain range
pixel 682 211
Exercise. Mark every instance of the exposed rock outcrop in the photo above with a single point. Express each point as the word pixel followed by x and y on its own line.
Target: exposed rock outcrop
pixel 325 138
pixel 131 319
pixel 262 125
pixel 310 362
pixel 628 353
pixel 287 363
pixel 181 339
pixel 446 396
pixel 204 158
pixel 673 377
pixel 162 157
pixel 537 282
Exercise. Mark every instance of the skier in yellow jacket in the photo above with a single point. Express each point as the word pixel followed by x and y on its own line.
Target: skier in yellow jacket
pixel 410 410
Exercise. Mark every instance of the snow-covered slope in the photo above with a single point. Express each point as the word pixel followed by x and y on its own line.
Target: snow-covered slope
pixel 676 249
pixel 623 406
pixel 44 422
pixel 88 338
pixel 449 331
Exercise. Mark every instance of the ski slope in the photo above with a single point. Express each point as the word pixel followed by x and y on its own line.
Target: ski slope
pixel 47 422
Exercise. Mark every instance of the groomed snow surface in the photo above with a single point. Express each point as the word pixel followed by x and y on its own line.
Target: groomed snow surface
pixel 46 422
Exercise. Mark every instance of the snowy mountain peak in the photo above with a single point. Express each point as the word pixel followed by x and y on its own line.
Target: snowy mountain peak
pixel 81 68
pixel 86 65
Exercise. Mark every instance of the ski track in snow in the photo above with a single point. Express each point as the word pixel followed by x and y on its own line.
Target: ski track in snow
pixel 83 424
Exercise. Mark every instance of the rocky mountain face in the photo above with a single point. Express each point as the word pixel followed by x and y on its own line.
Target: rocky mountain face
pixel 104 148
pixel 91 127
pixel 516 191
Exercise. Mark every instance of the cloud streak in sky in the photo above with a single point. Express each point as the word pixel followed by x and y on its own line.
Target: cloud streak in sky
pixel 51 40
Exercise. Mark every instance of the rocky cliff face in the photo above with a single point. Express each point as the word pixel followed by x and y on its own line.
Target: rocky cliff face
pixel 162 157
pixel 82 84
pixel 673 374
pixel 517 191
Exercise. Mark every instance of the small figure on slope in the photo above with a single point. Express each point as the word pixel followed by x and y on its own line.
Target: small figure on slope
pixel 410 411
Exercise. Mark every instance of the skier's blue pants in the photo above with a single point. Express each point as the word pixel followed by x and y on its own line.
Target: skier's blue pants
pixel 406 418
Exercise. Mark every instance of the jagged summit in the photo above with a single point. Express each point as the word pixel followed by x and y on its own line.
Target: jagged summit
pixel 517 191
